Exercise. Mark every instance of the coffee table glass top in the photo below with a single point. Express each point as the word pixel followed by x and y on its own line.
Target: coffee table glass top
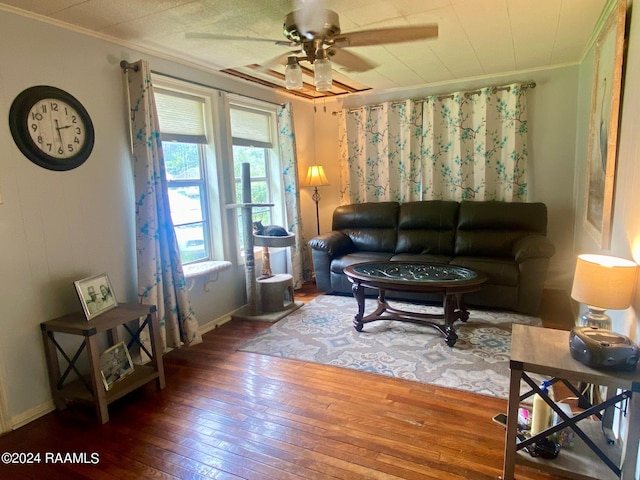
pixel 414 272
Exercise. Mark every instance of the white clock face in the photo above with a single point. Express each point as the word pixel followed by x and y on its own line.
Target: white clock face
pixel 56 128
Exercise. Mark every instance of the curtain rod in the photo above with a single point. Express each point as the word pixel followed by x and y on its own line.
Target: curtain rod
pixel 126 66
pixel 496 88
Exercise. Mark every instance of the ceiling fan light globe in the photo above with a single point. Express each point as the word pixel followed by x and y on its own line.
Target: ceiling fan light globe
pixel 293 77
pixel 323 86
pixel 322 76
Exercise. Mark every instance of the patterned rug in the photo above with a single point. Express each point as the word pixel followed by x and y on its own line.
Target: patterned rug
pixel 322 332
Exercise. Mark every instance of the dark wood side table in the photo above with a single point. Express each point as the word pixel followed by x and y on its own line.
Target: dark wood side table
pixel 91 389
pixel 545 351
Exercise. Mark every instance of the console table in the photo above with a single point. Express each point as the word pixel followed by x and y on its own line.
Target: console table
pixel 90 389
pixel 545 351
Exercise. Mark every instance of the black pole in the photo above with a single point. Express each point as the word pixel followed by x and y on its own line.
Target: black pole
pixel 316 198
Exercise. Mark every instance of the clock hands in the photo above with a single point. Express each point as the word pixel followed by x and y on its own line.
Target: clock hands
pixel 58 128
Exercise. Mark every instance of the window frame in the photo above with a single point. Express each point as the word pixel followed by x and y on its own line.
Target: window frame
pixel 201 183
pixel 211 200
pixel 219 176
pixel 275 181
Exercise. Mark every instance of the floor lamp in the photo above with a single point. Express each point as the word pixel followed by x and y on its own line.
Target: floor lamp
pixel 316 178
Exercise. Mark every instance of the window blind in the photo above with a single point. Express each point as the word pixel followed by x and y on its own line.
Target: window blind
pixel 181 117
pixel 250 127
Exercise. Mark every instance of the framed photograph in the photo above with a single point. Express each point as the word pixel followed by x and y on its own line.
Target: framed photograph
pixel 603 131
pixel 96 295
pixel 115 364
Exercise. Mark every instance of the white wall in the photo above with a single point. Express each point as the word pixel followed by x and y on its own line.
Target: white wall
pixel 57 227
pixel 626 220
pixel 552 119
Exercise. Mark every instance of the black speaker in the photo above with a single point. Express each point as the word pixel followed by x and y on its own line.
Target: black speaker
pixel 599 348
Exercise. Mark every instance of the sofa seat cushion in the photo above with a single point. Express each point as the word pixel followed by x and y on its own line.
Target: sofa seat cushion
pixel 339 264
pixel 410 257
pixel 500 271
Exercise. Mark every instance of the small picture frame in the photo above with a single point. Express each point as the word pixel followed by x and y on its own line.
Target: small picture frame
pixel 115 364
pixel 96 295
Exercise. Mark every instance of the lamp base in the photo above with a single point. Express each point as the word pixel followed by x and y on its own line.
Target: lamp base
pixel 595 317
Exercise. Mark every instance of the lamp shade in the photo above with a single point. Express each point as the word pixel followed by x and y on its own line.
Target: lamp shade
pixel 603 281
pixel 315 177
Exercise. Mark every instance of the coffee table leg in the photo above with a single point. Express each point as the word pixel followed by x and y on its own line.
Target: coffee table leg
pixel 451 337
pixel 463 313
pixel 358 293
pixel 450 316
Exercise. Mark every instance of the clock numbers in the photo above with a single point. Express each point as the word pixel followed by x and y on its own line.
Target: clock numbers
pixel 55 128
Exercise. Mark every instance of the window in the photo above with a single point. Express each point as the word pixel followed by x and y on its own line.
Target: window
pixel 185 176
pixel 252 133
pixel 184 144
pixel 204 177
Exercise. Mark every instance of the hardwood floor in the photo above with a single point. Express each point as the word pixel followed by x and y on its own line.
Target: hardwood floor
pixel 230 415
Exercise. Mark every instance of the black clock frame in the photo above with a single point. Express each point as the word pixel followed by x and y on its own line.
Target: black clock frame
pixel 19 125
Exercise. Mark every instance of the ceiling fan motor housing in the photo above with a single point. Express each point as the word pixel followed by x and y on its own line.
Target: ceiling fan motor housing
pixel 331 28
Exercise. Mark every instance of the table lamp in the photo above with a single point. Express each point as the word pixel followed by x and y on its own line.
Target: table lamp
pixel 316 178
pixel 603 282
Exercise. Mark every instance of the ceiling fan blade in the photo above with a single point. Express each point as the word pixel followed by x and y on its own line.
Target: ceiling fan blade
pixel 381 36
pixel 279 60
pixel 214 36
pixel 350 61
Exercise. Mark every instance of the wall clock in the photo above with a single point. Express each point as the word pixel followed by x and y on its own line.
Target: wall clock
pixel 51 128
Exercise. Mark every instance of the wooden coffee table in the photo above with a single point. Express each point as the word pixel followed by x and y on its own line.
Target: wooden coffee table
pixel 450 281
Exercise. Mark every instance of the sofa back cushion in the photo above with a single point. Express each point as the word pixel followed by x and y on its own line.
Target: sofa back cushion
pixel 371 226
pixel 490 229
pixel 427 227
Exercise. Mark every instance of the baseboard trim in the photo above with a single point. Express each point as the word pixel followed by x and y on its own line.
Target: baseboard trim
pixel 215 323
pixel 32 414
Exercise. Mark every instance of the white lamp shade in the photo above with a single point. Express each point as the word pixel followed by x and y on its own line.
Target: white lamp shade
pixel 604 282
pixel 315 177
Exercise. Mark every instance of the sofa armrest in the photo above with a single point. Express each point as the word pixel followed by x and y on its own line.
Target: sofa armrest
pixel 533 246
pixel 332 243
pixel 323 249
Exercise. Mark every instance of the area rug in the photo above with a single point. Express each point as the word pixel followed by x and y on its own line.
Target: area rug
pixel 322 332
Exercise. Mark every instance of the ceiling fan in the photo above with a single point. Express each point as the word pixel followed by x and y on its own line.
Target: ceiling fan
pixel 314 33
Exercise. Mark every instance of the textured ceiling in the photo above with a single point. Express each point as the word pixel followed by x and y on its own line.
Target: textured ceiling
pixel 476 37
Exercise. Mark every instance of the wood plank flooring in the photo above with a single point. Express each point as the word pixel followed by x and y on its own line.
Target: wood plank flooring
pixel 233 415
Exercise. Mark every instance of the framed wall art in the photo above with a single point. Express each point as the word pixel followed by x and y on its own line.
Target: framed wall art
pixel 603 130
pixel 96 295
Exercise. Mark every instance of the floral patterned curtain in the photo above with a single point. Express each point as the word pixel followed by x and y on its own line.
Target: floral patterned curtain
pixel 464 146
pixel 160 276
pixel 300 255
